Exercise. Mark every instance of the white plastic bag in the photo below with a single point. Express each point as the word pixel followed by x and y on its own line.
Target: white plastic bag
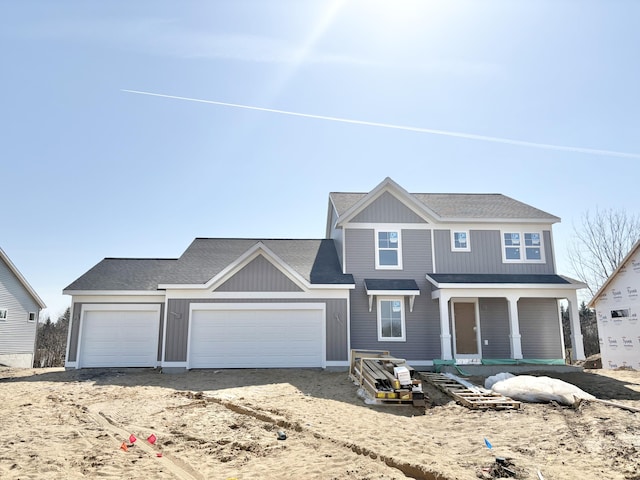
pixel 528 388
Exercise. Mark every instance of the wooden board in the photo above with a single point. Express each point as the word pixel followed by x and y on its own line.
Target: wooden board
pixel 474 397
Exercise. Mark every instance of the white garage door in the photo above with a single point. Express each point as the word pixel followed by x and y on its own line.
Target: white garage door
pixel 124 337
pixel 258 336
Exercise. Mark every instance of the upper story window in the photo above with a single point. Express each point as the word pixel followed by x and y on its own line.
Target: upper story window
pixel 388 249
pixel 391 320
pixel 460 241
pixel 3 314
pixel 31 317
pixel 522 247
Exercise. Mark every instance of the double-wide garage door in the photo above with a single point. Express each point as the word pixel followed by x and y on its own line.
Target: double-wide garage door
pixel 256 336
pixel 120 336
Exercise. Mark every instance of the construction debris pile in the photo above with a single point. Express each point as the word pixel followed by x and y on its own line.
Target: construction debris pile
pixel 384 379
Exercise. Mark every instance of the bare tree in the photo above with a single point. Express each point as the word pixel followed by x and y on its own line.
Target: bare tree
pixel 600 243
pixel 51 342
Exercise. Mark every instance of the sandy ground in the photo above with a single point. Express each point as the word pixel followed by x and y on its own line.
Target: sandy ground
pixel 225 424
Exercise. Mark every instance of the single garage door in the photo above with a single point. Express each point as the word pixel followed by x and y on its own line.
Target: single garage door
pixel 257 336
pixel 120 337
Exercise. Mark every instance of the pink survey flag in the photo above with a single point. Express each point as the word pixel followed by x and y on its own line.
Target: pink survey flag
pixel 132 438
pixel 151 439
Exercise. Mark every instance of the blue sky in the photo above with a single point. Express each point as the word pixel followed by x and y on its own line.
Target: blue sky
pixel 90 171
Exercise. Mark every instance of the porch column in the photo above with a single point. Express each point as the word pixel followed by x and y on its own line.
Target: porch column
pixel 515 341
pixel 445 332
pixel 577 343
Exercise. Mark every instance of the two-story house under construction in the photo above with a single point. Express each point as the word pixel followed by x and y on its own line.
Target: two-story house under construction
pixel 433 278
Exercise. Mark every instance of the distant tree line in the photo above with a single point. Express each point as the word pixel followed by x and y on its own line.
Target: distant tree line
pixel 51 341
pixel 588 327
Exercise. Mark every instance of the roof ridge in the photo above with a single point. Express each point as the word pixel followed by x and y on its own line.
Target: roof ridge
pixel 137 258
pixel 429 193
pixel 257 238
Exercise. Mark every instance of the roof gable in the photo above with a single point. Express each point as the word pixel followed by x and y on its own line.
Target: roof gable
pixel 267 262
pixel 314 261
pixel 387 188
pixel 210 262
pixel 387 208
pixel 259 275
pixel 635 266
pixel 443 207
pixel 23 281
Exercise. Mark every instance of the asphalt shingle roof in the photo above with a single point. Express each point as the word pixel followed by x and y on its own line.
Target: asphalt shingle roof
pixel 499 278
pixel 459 205
pixel 390 284
pixel 315 260
pixel 124 274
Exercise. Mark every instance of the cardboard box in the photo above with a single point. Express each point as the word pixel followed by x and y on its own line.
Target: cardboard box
pixel 404 394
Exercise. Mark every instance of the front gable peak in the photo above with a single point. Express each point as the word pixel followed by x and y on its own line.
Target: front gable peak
pixel 396 203
pixel 242 274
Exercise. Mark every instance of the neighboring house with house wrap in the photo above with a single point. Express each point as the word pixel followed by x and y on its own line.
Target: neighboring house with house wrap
pixel 617 306
pixel 20 308
pixel 429 277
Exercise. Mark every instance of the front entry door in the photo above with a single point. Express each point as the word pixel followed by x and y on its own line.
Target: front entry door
pixel 466 331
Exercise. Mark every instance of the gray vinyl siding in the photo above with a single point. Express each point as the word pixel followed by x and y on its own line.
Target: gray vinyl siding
pixel 494 327
pixel 486 255
pixel 75 328
pixel 17 334
pixel 178 325
pixel 423 324
pixel 259 275
pixel 387 209
pixel 540 328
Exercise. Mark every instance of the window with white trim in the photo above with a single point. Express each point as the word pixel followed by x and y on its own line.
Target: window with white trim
pixel 391 320
pixel 388 249
pixel 31 317
pixel 3 314
pixel 460 241
pixel 522 247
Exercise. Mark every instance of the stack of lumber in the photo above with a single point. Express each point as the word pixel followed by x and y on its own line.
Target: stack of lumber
pixel 469 395
pixel 386 380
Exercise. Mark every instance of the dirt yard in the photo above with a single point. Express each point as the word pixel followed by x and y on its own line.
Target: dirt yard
pixel 225 425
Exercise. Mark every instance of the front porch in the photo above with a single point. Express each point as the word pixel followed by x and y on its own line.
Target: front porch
pixel 488 320
pixel 486 368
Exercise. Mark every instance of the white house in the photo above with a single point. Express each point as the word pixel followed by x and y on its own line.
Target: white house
pixel 20 308
pixel 617 307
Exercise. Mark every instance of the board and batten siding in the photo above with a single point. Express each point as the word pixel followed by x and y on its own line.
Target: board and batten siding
pixel 387 209
pixel 259 275
pixel 423 324
pixel 494 327
pixel 486 255
pixel 17 334
pixel 76 326
pixel 178 324
pixel 539 322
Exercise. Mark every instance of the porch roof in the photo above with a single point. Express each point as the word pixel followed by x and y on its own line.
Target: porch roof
pixel 492 278
pixel 495 281
pixel 388 284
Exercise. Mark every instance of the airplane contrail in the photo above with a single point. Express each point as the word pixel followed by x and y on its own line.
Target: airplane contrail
pixel 431 131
